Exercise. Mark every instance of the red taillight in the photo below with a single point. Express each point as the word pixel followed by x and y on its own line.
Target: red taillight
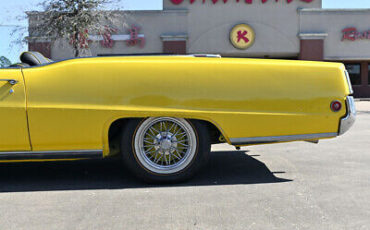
pixel 336 106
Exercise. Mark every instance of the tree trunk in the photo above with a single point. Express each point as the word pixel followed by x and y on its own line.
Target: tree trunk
pixel 76 43
pixel 77 52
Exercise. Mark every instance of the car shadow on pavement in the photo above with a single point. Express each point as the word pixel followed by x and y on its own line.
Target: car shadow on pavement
pixel 224 168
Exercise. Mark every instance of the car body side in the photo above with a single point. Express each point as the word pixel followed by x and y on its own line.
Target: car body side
pixel 72 104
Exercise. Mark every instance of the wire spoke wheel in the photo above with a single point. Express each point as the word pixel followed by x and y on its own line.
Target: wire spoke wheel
pixel 165 145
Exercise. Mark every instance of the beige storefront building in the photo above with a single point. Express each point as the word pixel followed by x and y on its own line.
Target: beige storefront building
pixel 289 29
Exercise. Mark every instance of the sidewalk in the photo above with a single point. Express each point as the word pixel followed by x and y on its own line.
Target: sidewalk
pixel 363 106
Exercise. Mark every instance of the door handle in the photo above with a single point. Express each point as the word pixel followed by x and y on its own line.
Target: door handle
pixel 10 81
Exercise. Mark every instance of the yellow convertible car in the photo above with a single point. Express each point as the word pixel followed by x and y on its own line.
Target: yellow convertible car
pixel 162 113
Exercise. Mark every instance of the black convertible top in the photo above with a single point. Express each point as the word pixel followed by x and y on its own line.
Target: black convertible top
pixel 33 58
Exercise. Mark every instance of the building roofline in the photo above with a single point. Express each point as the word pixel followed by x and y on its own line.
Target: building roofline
pixel 311 36
pixel 175 37
pixel 318 10
pixel 346 58
pixel 175 11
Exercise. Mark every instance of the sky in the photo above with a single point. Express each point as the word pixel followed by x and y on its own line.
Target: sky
pixel 12 10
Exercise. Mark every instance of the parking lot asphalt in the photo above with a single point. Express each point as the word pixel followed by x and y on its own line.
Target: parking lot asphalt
pixel 282 186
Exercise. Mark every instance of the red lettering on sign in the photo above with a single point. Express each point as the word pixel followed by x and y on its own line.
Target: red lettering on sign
pixel 134 37
pixel 178 2
pixel 81 40
pixel 242 35
pixel 352 34
pixel 107 41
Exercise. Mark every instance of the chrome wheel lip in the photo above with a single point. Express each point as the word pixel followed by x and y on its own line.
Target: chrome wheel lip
pixel 148 164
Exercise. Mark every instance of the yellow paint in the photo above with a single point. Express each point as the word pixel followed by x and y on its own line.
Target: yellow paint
pixel 71 104
pixel 242 36
pixel 13 117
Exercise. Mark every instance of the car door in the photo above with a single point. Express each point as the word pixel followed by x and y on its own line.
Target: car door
pixel 14 134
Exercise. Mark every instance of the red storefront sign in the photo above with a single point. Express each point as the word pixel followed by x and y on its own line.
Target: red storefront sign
pixel 107 38
pixel 134 37
pixel 81 41
pixel 352 34
pixel 242 35
pixel 178 2
pixel 107 33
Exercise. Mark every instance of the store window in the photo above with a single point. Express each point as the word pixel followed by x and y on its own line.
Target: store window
pixel 354 70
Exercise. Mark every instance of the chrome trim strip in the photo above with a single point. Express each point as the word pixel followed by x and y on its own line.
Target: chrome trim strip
pixel 272 139
pixel 40 155
pixel 349 82
pixel 347 122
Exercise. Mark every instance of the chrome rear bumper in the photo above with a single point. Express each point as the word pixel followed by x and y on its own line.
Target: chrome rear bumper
pixel 347 122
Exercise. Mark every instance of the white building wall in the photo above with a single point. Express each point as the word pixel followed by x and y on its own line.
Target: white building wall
pixel 276 25
pixel 333 22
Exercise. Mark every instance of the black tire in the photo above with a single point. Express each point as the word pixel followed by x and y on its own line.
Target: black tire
pixel 198 161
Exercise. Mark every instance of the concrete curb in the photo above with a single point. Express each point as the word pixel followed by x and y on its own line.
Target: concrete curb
pixel 362 99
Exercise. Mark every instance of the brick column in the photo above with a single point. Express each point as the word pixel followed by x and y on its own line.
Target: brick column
pixel 363 90
pixel 312 46
pixel 174 44
pixel 43 47
pixel 365 73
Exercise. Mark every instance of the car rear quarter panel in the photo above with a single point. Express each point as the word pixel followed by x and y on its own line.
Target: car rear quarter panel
pixel 71 104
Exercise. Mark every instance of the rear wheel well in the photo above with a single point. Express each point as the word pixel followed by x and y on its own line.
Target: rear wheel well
pixel 214 132
pixel 114 135
pixel 116 127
